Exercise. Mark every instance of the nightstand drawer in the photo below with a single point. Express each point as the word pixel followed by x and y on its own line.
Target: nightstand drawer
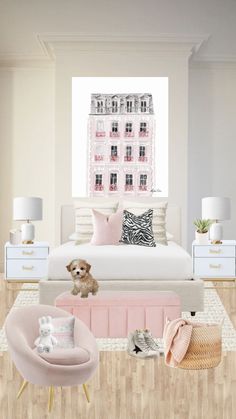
pixel 214 251
pixel 212 267
pixel 27 268
pixel 27 252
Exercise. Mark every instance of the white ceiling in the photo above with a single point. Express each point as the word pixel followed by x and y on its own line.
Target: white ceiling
pixel 20 21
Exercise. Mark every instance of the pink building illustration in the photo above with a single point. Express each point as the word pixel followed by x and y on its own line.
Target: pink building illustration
pixel 121 135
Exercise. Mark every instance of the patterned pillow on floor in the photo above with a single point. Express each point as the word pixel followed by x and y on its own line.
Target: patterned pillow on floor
pixel 137 229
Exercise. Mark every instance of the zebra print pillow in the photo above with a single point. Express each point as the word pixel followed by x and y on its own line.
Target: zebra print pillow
pixel 137 229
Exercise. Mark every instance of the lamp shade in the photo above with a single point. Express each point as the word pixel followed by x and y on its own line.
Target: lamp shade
pixel 216 208
pixel 27 208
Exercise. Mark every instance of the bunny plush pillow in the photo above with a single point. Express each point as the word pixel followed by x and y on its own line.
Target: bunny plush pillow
pixel 45 342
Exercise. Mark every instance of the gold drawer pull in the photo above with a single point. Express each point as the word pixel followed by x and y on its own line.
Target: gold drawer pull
pixel 24 252
pixel 27 268
pixel 215 251
pixel 215 266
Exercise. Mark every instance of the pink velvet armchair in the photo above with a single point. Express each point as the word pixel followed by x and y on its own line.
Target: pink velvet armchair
pixel 62 367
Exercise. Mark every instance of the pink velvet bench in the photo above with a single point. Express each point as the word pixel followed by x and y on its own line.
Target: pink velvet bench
pixel 116 313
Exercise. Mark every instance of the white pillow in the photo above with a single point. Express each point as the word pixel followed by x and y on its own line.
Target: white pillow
pixel 169 236
pixel 73 237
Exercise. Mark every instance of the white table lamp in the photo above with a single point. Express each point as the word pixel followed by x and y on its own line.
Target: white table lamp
pixel 27 209
pixel 216 209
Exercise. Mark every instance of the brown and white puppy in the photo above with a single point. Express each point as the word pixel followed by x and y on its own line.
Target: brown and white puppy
pixel 83 280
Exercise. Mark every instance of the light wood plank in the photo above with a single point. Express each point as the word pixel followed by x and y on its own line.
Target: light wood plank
pixel 126 388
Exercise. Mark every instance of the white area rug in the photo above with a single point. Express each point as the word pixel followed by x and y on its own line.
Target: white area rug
pixel 214 313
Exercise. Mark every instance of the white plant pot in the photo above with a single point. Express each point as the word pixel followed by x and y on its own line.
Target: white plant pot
pixel 15 237
pixel 201 238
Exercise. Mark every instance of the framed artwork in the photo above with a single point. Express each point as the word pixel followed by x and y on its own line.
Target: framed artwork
pixel 119 136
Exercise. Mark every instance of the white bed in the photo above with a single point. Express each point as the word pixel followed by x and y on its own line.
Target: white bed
pixel 123 262
pixel 126 267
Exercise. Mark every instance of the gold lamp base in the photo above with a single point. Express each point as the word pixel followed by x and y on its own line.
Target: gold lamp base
pixel 216 242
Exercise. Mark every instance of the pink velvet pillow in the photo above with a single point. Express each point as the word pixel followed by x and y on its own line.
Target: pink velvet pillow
pixel 106 229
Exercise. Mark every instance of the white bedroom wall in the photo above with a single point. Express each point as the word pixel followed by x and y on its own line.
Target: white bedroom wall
pixel 212 139
pixel 123 61
pixel 6 136
pixel 35 127
pixel 26 145
pixel 35 161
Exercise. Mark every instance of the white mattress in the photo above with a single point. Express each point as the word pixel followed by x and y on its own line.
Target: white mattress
pixel 123 262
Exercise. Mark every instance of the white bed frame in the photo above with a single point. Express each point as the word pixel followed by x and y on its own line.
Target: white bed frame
pixel 191 292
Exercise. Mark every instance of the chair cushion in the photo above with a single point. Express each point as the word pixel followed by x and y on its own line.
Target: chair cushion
pixel 70 356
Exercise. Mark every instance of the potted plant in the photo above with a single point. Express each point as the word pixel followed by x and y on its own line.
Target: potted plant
pixel 202 228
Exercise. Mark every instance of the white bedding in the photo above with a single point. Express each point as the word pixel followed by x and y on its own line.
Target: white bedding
pixel 123 262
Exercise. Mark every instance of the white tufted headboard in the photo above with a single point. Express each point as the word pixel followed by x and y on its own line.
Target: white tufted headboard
pixel 173 219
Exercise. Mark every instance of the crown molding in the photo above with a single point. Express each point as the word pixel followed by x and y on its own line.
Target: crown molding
pixel 25 61
pixel 43 60
pixel 214 62
pixel 54 37
pixel 217 58
pixel 45 47
pixel 53 43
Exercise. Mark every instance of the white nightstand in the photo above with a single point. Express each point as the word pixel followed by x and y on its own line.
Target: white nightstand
pixel 26 262
pixel 214 260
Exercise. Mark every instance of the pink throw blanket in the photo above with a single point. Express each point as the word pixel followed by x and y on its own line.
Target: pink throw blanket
pixel 177 334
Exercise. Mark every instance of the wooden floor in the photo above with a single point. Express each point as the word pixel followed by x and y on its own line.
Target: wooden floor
pixel 126 388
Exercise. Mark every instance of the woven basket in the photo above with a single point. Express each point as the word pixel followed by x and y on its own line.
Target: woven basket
pixel 204 350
